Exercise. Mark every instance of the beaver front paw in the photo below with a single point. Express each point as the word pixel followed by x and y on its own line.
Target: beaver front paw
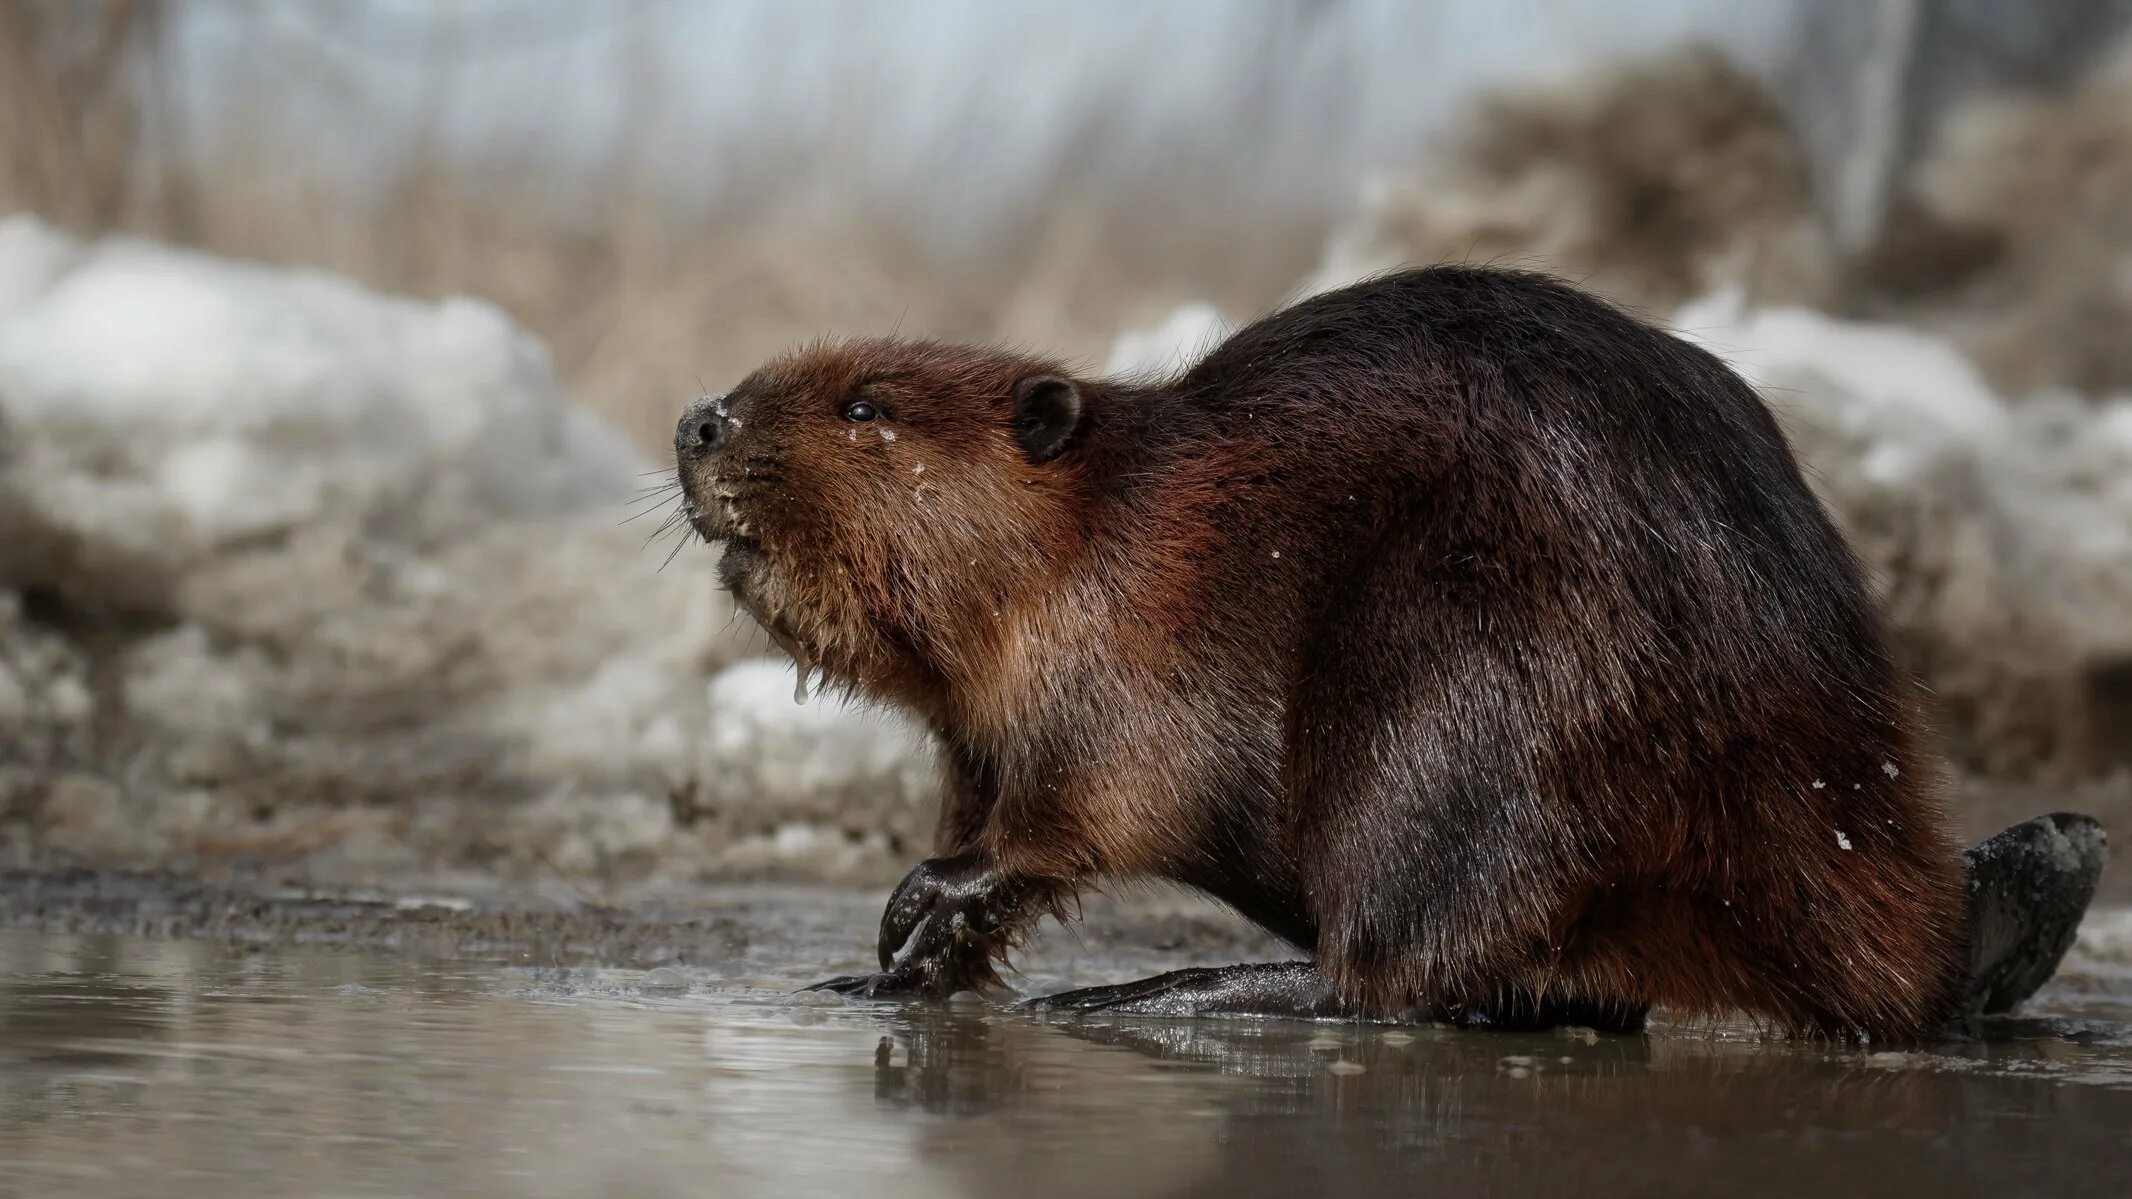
pixel 945 926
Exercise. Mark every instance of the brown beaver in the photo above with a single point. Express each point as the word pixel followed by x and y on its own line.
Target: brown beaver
pixel 1455 626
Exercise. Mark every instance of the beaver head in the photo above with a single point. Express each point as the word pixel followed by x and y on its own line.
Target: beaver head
pixel 883 503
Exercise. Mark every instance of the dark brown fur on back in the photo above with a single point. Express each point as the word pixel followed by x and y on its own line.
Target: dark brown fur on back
pixel 1455 626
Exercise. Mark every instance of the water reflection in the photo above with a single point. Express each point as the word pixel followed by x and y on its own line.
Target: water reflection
pixel 1359 1111
pixel 187 1069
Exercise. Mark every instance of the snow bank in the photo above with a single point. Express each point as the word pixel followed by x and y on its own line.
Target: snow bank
pixel 2001 535
pixel 169 406
pixel 288 568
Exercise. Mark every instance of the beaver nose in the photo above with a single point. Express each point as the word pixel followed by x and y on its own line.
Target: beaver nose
pixel 703 428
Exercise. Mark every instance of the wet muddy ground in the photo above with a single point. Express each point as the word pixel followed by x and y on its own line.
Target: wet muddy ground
pixel 170 1037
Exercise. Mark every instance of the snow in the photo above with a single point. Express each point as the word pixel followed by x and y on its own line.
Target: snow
pixel 32 256
pixel 214 401
pixel 1890 370
pixel 379 556
pixel 1179 341
pixel 1998 532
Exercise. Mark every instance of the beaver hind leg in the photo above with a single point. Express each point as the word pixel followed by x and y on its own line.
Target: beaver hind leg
pixel 1278 990
pixel 1297 991
pixel 2028 889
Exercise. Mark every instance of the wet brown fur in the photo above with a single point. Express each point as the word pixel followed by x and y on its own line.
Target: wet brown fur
pixel 1455 626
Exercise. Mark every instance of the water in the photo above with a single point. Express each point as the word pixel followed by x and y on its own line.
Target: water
pixel 181 1068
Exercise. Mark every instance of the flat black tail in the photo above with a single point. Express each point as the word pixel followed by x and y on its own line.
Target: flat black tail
pixel 2028 889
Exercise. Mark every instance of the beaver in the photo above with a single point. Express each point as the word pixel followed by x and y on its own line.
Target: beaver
pixel 1457 627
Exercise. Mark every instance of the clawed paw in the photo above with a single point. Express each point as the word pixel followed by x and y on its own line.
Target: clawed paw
pixel 944 926
pixel 943 900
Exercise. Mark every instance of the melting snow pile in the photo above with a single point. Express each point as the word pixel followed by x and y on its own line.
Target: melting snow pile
pixel 1183 338
pixel 289 568
pixel 2001 535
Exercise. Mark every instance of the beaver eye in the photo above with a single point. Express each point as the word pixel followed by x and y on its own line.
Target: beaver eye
pixel 861 410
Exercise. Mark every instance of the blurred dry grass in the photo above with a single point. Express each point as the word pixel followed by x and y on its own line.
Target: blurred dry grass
pixel 70 111
pixel 1653 181
pixel 637 296
pixel 641 303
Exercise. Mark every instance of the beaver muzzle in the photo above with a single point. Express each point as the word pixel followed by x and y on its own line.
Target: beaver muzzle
pixel 704 432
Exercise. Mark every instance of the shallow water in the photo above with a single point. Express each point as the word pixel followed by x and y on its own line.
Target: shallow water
pixel 180 1068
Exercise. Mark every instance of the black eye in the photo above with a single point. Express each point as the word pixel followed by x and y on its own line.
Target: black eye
pixel 861 410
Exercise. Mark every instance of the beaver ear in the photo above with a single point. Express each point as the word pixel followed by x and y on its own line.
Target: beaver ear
pixel 1047 413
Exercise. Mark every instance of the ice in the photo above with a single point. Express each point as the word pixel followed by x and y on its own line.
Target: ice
pixel 665 978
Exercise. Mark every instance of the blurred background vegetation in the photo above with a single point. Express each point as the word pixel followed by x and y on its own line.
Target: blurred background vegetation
pixel 666 191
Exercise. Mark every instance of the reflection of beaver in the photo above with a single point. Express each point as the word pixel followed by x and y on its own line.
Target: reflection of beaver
pixel 1453 626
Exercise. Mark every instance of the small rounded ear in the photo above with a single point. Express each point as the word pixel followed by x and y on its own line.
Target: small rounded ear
pixel 1047 413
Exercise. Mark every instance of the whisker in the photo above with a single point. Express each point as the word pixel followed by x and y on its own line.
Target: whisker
pixel 673 520
pixel 672 499
pixel 679 545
